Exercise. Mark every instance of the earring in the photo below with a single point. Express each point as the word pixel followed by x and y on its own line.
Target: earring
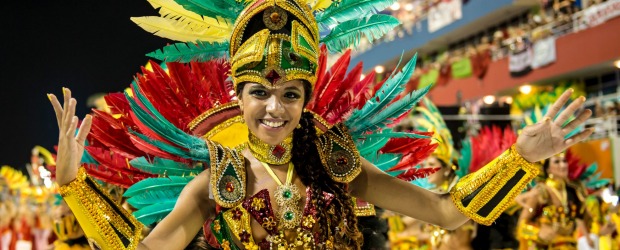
pixel 298 125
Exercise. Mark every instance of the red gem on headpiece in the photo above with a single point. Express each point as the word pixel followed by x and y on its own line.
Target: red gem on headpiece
pixel 273 76
pixel 278 151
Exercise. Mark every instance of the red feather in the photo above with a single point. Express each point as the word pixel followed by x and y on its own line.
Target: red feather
pixel 331 80
pixel 416 173
pixel 489 144
pixel 575 167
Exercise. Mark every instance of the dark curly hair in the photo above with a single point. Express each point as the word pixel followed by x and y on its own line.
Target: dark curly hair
pixel 337 223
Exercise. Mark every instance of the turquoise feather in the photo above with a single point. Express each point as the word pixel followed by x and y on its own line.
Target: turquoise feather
pixel 423 183
pixel 385 161
pixel 156 184
pixel 388 115
pixel 154 197
pixel 347 10
pixel 228 9
pixel 190 52
pixel 389 135
pixel 196 147
pixel 161 166
pixel 464 160
pixel 349 33
pixel 371 145
pixel 391 89
pixel 154 213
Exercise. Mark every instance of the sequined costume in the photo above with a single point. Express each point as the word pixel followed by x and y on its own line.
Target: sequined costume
pixel 181 119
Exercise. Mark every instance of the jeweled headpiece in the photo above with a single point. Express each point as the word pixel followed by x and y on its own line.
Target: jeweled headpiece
pixel 274 41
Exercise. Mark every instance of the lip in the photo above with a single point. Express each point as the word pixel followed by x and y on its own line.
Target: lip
pixel 262 124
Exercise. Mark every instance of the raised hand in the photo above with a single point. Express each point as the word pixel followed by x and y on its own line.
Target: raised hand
pixel 546 138
pixel 70 145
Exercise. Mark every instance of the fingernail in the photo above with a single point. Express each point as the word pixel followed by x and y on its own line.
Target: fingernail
pixel 571 90
pixel 49 96
pixel 583 98
pixel 64 91
pixel 88 116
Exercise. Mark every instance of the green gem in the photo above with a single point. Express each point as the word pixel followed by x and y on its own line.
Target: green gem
pixel 287 194
pixel 289 215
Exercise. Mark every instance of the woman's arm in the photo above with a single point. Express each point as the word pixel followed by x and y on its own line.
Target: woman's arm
pixel 180 227
pixel 383 190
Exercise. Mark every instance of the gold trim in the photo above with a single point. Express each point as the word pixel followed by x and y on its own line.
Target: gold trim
pixel 338 136
pixel 223 159
pixel 263 151
pixel 199 119
pixel 490 179
pixel 98 217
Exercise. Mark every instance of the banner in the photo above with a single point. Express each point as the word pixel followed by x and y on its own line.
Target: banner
pixel 429 78
pixel 598 14
pixel 462 68
pixel 544 52
pixel 444 13
pixel 520 63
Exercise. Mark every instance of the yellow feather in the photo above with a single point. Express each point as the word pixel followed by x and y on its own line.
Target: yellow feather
pixel 320 5
pixel 47 156
pixel 172 10
pixel 178 31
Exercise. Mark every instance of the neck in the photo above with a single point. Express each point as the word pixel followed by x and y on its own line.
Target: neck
pixel 276 155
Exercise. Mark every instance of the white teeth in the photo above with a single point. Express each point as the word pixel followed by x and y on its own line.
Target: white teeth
pixel 273 124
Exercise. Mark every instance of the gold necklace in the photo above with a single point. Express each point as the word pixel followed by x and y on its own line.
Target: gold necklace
pixel 287 197
pixel 273 154
pixel 559 189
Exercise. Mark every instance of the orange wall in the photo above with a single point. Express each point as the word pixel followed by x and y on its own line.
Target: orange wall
pixel 574 51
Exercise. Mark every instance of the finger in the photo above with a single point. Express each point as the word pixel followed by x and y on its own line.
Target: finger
pixel 71 131
pixel 84 128
pixel 569 111
pixel 559 103
pixel 66 93
pixel 57 108
pixel 577 121
pixel 69 114
pixel 578 137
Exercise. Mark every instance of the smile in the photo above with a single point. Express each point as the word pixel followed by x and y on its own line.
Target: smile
pixel 273 124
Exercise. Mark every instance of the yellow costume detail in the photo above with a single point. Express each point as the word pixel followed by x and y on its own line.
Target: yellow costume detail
pixel 109 226
pixel 339 154
pixel 486 193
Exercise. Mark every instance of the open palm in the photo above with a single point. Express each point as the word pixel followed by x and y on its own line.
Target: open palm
pixel 547 138
pixel 70 145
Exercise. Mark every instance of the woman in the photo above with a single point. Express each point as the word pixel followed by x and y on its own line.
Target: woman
pixel 554 210
pixel 283 156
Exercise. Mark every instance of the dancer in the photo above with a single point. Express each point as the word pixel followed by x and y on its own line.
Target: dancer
pixel 296 134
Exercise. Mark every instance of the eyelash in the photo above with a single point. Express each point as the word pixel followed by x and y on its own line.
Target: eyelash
pixel 263 93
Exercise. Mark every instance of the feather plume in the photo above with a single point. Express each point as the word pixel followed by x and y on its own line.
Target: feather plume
pixel 416 173
pixel 330 80
pixel 190 52
pixel 172 183
pixel 154 213
pixel 153 197
pixel 164 167
pixel 359 121
pixel 228 9
pixel 320 5
pixel 349 33
pixel 178 31
pixel 347 10
pixel 172 10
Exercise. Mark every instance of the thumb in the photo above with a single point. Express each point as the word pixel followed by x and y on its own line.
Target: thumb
pixel 537 128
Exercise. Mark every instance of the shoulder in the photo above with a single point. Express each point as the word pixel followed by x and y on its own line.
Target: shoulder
pixel 228 177
pixel 338 154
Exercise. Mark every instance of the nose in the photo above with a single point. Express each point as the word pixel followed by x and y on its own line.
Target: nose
pixel 274 106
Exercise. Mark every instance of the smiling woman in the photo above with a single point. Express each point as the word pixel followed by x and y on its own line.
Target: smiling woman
pixel 276 165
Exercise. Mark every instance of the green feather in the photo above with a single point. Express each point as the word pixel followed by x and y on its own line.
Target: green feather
pixel 186 52
pixel 351 9
pixel 154 213
pixel 465 158
pixel 390 135
pixel 163 166
pixel 350 32
pixel 228 9
pixel 154 197
pixel 156 184
pixel 385 161
pixel 371 145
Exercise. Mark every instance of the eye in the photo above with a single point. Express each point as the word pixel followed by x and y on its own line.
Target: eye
pixel 292 95
pixel 258 93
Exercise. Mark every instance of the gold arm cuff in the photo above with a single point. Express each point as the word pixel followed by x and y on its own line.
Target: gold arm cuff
pixel 105 223
pixel 486 193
